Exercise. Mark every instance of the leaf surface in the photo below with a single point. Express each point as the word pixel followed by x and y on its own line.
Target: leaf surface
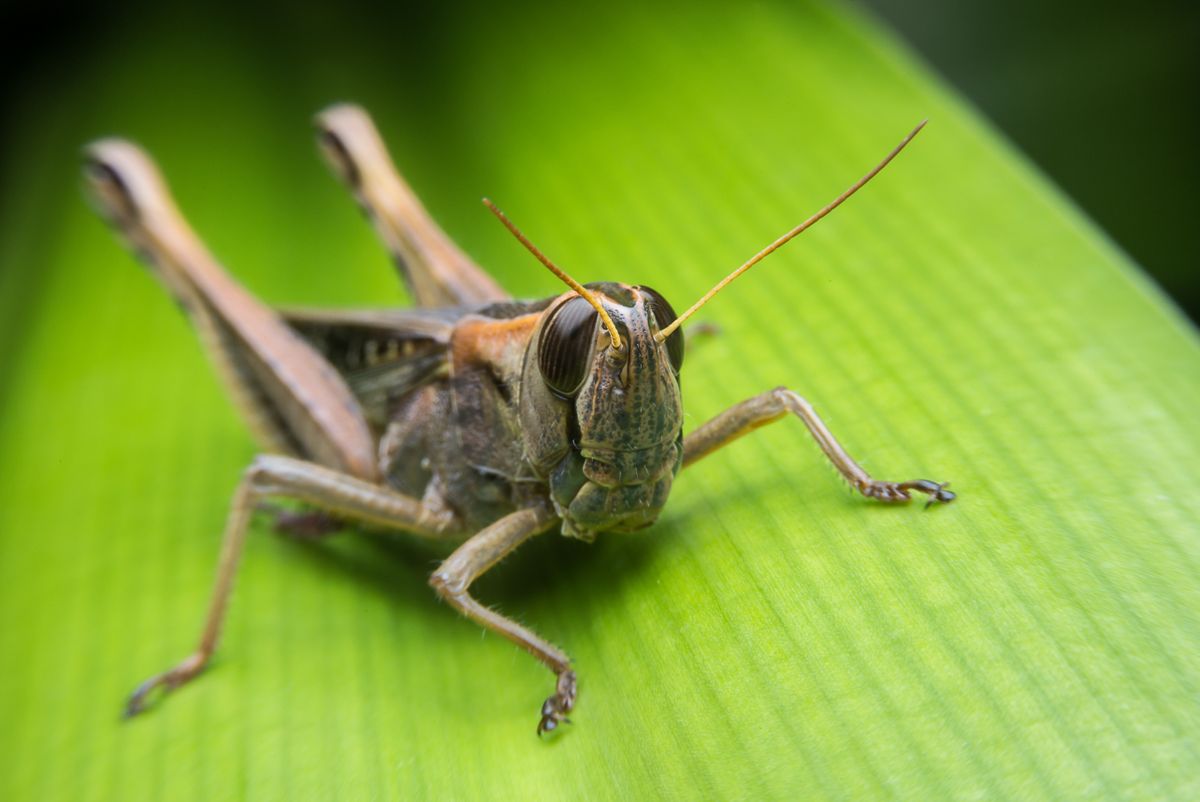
pixel 773 636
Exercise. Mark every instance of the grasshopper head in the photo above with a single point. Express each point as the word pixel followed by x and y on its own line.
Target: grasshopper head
pixel 602 418
pixel 624 416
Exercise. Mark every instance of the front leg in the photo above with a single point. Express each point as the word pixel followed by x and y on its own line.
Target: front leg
pixel 472 559
pixel 775 404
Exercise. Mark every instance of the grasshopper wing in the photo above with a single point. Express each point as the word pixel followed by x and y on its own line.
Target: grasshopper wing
pixel 383 354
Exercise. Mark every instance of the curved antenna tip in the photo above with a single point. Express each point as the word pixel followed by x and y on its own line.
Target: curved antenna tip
pixel 767 251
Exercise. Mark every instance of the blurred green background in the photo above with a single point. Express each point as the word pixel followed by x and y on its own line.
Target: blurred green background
pixel 1100 95
pixel 772 636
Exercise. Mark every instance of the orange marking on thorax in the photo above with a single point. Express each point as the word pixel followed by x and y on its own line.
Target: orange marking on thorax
pixel 493 342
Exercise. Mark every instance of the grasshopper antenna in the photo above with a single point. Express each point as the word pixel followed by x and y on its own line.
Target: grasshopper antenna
pixel 613 334
pixel 779 243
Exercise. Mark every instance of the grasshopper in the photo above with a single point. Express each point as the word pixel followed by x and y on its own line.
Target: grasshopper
pixel 473 419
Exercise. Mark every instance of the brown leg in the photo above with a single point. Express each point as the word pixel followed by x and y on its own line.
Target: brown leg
pixel 775 404
pixel 340 494
pixel 293 399
pixel 436 271
pixel 302 524
pixel 474 558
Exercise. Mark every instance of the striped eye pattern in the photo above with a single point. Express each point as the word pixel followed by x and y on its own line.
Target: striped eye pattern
pixel 565 346
pixel 664 316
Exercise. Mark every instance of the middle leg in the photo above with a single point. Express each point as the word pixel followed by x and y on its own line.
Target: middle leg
pixel 346 497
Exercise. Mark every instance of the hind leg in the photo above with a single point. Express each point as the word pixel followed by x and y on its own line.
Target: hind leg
pixel 436 271
pixel 293 399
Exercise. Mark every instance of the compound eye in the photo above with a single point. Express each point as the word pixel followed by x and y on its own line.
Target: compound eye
pixel 565 346
pixel 664 316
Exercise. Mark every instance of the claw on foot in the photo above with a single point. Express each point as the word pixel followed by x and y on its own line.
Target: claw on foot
pixel 900 492
pixel 168 681
pixel 556 707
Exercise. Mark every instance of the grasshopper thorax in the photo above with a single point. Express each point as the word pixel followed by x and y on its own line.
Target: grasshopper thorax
pixel 608 421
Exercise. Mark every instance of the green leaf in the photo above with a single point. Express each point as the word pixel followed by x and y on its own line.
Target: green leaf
pixel 773 635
